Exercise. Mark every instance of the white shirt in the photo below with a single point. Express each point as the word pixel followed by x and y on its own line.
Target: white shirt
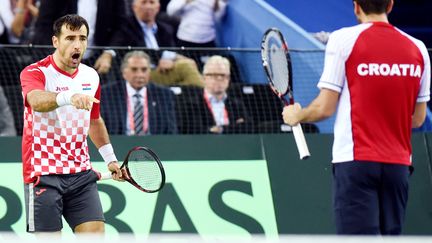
pixel 2 27
pixel 130 130
pixel 6 19
pixel 151 41
pixel 198 19
pixel 149 35
pixel 217 107
pixel 55 142
pixel 88 10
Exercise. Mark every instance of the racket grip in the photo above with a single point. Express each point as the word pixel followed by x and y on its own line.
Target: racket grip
pixel 300 141
pixel 106 176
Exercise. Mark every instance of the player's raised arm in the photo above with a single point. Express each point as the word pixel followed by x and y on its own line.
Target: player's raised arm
pixel 44 101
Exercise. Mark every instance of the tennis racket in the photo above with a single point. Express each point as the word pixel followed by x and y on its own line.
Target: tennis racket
pixel 144 168
pixel 277 65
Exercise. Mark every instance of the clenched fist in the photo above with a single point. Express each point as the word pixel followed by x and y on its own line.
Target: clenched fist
pixel 291 114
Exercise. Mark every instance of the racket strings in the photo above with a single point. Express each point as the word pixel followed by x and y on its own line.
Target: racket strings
pixel 144 170
pixel 279 66
pixel 275 56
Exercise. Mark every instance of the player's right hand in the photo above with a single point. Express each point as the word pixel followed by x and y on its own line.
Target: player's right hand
pixel 291 114
pixel 117 173
pixel 83 101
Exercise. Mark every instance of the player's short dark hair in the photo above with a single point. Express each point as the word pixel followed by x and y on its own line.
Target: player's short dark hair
pixel 373 6
pixel 72 22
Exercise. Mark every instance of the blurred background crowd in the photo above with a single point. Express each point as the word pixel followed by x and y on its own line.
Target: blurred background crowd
pixel 199 59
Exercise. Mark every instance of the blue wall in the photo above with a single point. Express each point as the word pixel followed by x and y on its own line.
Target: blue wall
pixel 247 20
pixel 243 27
pixel 317 15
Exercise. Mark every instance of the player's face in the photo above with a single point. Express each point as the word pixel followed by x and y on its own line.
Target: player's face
pixel 70 47
pixel 146 10
pixel 216 78
pixel 137 72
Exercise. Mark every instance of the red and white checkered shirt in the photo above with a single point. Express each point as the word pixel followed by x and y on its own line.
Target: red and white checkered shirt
pixel 55 142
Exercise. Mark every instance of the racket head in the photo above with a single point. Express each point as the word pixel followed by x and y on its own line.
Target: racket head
pixel 145 169
pixel 276 61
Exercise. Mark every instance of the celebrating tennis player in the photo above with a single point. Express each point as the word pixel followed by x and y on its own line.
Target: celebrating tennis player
pixel 61 109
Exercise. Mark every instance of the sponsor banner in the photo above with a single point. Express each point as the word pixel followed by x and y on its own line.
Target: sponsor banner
pixel 204 197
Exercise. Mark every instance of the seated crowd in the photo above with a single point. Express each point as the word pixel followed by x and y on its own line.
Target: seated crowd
pixel 153 89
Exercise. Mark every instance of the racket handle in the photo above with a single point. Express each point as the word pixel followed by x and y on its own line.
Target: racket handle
pixel 300 141
pixel 106 176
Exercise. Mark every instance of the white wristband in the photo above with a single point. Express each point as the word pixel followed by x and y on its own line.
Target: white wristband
pixel 64 98
pixel 107 153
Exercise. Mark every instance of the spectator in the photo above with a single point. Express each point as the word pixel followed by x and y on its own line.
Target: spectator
pixel 135 106
pixel 163 5
pixel 197 20
pixel 144 30
pixel 174 21
pixel 212 110
pixel 16 20
pixel 7 125
pixel 161 16
pixel 105 17
pixel 184 73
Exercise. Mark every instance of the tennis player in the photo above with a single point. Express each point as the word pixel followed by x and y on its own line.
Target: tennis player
pixel 377 78
pixel 61 110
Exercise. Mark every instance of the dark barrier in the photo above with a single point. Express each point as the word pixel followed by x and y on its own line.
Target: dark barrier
pixel 237 184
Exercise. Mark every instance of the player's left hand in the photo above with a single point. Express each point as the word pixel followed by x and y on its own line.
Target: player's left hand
pixel 117 173
pixel 291 114
pixel 103 63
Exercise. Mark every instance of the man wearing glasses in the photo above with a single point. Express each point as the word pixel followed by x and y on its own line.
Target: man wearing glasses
pixel 212 110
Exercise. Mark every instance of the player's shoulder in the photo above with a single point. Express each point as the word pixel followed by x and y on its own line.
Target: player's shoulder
pixel 344 39
pixel 350 31
pixel 36 69
pixel 420 44
pixel 87 70
pixel 37 66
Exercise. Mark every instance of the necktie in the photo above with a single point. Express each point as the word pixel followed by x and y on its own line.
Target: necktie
pixel 138 114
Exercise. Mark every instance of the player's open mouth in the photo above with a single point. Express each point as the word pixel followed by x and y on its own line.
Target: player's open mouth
pixel 75 58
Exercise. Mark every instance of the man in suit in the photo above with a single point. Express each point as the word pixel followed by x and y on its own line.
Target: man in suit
pixel 212 110
pixel 105 17
pixel 143 29
pixel 135 106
